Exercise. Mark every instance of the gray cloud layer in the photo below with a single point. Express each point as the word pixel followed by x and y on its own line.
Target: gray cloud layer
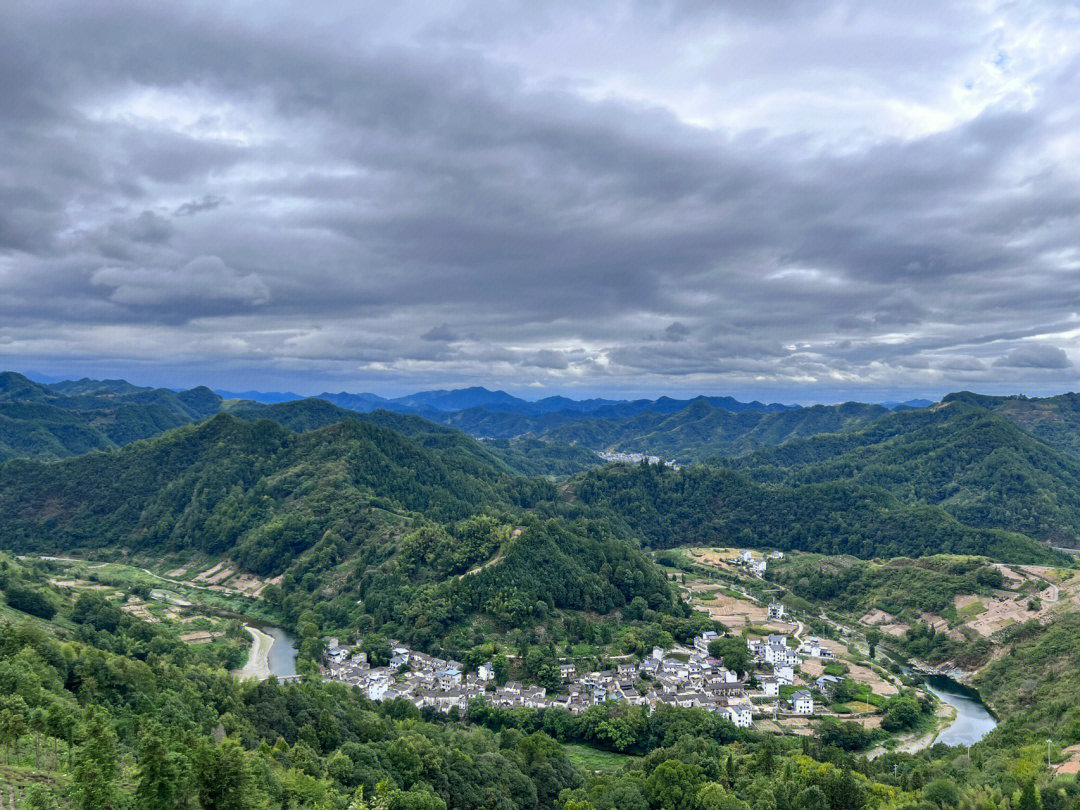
pixel 821 200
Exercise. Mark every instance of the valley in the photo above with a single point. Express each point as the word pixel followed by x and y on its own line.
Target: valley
pixel 311 566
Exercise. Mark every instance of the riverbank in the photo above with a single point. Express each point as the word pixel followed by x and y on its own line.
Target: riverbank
pixel 944 717
pixel 258 662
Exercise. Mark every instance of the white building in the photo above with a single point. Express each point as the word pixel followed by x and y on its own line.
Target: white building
pixel 701 643
pixel 567 671
pixel 449 678
pixel 784 673
pixel 770 687
pixel 740 714
pixel 486 672
pixel 802 702
pixel 777 611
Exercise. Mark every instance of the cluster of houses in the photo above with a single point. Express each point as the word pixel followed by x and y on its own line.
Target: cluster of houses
pixel 637 458
pixel 686 677
pixel 758 567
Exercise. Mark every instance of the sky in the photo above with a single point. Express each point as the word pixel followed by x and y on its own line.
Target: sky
pixel 796 201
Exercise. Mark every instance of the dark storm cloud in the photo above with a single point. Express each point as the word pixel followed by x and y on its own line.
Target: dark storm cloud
pixel 438 195
pixel 440 333
pixel 1035 356
pixel 192 207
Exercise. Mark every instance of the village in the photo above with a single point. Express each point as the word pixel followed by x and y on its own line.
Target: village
pixel 681 676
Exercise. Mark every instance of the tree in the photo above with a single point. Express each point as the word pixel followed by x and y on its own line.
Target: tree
pixel 710 797
pixel 672 786
pixel 501 666
pixel 222 776
pixel 13 711
pixel 813 798
pixel 163 774
pixel 901 712
pixel 941 792
pixel 36 798
pixel 1029 798
pixel 732 651
pixel 873 638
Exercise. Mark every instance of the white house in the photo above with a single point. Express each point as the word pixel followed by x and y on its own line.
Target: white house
pixel 770 687
pixel 701 643
pixel 776 611
pixel 566 671
pixel 784 673
pixel 740 714
pixel 486 672
pixel 377 688
pixel 449 678
pixel 802 702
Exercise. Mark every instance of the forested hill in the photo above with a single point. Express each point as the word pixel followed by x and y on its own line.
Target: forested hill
pixel 427 537
pixel 1054 420
pixel 699 431
pixel 216 487
pixel 976 464
pixel 68 419
pixel 717 506
pixel 519 456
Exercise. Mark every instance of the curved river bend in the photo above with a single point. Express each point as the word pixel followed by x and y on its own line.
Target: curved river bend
pixel 272 653
pixel 973 720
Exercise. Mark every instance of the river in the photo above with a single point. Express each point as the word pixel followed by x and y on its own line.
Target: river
pixel 272 653
pixel 281 660
pixel 973 720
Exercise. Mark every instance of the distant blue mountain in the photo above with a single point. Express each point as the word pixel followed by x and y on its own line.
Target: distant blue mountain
pixel 460 399
pixel 434 403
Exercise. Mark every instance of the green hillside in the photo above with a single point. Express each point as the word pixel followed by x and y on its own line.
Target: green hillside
pixel 977 465
pixel 68 419
pixel 698 432
pixel 718 506
pixel 1054 420
pixel 519 456
pixel 341 512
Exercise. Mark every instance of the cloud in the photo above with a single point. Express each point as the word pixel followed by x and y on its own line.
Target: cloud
pixel 421 195
pixel 1036 355
pixel 676 332
pixel 442 333
pixel 550 359
pixel 207 202
pixel 146 227
pixel 203 280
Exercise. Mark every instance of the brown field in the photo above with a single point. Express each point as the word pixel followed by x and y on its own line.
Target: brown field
pixel 795 725
pixel 209 572
pixel 734 613
pixel 812 668
pixel 201 636
pixel 80 584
